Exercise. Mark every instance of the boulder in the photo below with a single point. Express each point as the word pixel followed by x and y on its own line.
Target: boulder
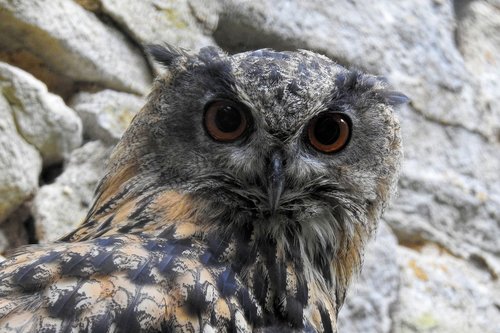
pixel 20 163
pixel 186 24
pixel 74 43
pixel 41 118
pixel 59 207
pixel 449 192
pixel 106 114
pixel 441 293
pixel 478 39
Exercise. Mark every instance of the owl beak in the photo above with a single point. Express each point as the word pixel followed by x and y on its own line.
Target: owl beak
pixel 276 180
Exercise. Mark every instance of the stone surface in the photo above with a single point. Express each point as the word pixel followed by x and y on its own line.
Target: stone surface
pixel 41 118
pixel 449 190
pixel 440 293
pixel 371 298
pixel 72 42
pixel 106 114
pixel 478 39
pixel 59 207
pixel 20 163
pixel 184 23
pixel 188 23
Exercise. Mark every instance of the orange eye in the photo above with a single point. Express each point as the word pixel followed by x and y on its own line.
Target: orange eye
pixel 224 121
pixel 329 132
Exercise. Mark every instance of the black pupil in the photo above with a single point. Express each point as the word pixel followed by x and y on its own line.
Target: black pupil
pixel 327 130
pixel 227 119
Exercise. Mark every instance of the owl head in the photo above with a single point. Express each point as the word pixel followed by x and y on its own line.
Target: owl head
pixel 291 143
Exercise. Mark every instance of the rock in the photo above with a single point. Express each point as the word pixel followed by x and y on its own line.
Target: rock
pixel 106 114
pixel 73 43
pixel 440 293
pixel 20 162
pixel 477 36
pixel 41 118
pixel 59 207
pixel 479 41
pixel 185 24
pixel 449 192
pixel 370 299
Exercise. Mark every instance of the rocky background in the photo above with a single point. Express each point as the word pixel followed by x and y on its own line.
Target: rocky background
pixel 73 74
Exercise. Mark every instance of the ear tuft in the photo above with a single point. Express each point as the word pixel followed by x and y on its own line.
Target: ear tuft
pixel 165 54
pixel 210 53
pixel 395 98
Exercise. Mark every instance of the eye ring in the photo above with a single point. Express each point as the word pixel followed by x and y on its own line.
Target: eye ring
pixel 329 132
pixel 224 121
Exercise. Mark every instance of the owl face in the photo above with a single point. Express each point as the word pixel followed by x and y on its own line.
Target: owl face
pixel 282 136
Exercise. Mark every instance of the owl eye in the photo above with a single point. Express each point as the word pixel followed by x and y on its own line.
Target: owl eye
pixel 224 121
pixel 329 132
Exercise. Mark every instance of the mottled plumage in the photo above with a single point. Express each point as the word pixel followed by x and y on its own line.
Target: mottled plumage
pixel 191 233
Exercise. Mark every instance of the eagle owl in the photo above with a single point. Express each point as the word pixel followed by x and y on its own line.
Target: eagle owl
pixel 239 200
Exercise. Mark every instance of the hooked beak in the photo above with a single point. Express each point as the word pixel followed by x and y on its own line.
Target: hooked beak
pixel 276 180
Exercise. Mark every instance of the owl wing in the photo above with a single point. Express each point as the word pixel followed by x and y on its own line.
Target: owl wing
pixel 122 283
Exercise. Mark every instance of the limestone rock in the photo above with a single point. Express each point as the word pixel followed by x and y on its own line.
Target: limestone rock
pixel 371 298
pixel 479 41
pixel 477 34
pixel 184 23
pixel 73 43
pixel 440 293
pixel 20 163
pixel 59 207
pixel 41 118
pixel 187 24
pixel 106 114
pixel 449 192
